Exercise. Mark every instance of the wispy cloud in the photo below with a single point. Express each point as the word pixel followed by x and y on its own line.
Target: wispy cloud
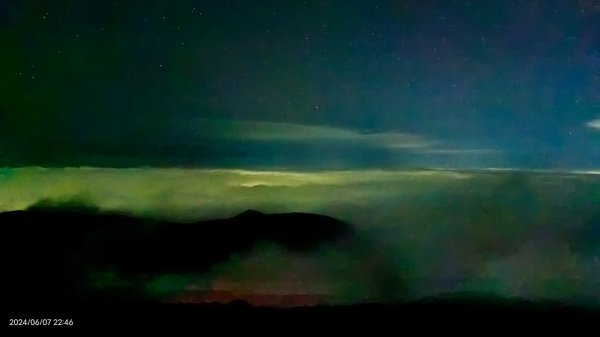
pixel 272 131
pixel 594 124
pixel 458 151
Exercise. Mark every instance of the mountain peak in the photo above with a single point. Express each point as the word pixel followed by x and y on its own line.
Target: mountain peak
pixel 250 213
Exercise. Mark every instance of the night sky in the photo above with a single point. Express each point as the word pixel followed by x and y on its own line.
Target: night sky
pixel 300 84
pixel 197 110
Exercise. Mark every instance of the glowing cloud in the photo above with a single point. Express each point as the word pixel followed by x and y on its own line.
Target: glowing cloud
pixel 594 124
pixel 272 131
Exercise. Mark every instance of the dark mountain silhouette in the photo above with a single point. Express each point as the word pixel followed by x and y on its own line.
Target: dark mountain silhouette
pixel 50 251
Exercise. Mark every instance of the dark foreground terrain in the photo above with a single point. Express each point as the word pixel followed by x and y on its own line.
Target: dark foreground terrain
pixel 51 252
pixel 436 313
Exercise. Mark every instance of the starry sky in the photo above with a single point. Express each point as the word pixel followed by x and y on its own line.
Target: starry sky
pixel 300 84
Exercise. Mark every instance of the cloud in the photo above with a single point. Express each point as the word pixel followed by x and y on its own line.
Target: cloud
pixel 594 124
pixel 441 231
pixel 204 193
pixel 458 151
pixel 273 131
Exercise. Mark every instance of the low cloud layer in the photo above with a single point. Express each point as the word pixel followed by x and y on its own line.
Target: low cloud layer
pixel 531 235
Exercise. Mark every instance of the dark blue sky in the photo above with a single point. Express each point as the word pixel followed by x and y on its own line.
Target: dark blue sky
pixel 310 84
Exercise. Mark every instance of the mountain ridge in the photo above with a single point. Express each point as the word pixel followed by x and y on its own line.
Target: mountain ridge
pixel 53 249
